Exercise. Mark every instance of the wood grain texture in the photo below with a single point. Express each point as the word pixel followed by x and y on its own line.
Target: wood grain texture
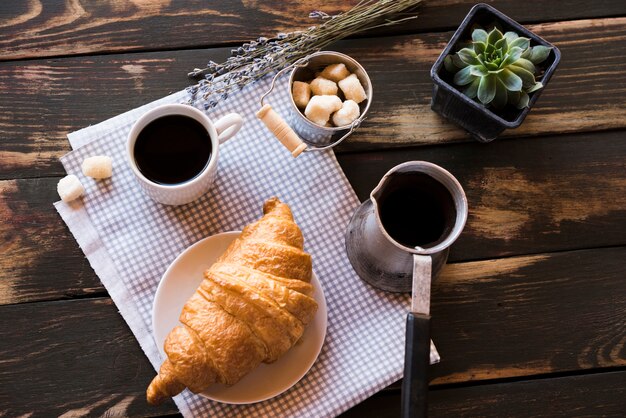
pixel 77 358
pixel 52 98
pixel 552 307
pixel 595 395
pixel 40 28
pixel 525 196
pixel 520 316
pixel 529 315
pixel 40 259
pixel 41 101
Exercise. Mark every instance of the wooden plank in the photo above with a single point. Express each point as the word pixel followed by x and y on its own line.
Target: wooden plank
pixel 595 395
pixel 41 101
pixel 530 315
pixel 77 358
pixel 41 28
pixel 40 259
pixel 526 196
pixel 522 316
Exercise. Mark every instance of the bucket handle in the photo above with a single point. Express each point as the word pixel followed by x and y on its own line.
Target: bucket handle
pixel 275 123
pixel 281 129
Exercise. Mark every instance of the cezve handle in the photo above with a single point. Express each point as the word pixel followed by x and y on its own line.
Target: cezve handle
pixel 281 130
pixel 414 402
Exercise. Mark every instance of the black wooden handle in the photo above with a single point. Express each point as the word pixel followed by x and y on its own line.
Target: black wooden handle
pixel 416 361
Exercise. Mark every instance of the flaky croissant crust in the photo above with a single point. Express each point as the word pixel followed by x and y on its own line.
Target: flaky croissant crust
pixel 251 307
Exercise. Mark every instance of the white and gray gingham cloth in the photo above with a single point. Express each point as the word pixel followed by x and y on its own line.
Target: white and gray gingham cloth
pixel 130 241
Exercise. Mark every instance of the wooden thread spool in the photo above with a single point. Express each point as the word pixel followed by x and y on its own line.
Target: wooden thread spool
pixel 281 130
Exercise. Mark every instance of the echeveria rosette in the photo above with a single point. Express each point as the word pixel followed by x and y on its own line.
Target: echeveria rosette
pixel 498 68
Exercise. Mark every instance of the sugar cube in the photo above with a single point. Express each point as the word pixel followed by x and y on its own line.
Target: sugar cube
pixel 301 92
pixel 98 167
pixel 70 188
pixel 335 72
pixel 347 114
pixel 352 88
pixel 322 86
pixel 319 108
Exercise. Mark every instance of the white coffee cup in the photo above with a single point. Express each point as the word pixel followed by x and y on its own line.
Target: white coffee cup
pixel 188 191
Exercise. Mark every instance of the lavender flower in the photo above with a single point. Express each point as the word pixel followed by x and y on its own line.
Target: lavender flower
pixel 256 59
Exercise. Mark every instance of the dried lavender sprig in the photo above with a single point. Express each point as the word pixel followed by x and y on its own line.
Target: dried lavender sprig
pixel 249 51
pixel 256 59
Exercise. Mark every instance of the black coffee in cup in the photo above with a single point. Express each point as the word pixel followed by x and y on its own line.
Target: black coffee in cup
pixel 417 211
pixel 172 149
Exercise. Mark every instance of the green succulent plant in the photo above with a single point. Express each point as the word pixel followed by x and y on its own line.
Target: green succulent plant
pixel 498 68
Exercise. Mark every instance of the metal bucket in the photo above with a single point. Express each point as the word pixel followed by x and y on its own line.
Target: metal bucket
pixel 300 134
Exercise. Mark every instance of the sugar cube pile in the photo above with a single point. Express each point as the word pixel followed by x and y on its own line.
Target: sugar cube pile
pixel 332 98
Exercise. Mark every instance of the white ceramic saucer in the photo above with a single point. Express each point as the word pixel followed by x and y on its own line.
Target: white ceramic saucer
pixel 181 280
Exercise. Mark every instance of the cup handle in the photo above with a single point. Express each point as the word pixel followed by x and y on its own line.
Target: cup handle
pixel 227 126
pixel 414 397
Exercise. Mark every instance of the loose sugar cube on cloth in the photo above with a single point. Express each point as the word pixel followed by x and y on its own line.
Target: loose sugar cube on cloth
pixel 335 72
pixel 322 86
pixel 320 108
pixel 352 88
pixel 98 167
pixel 70 188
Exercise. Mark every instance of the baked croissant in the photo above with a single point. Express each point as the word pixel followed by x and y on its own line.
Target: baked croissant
pixel 251 307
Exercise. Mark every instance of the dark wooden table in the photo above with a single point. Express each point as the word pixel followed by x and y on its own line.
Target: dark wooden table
pixel 530 316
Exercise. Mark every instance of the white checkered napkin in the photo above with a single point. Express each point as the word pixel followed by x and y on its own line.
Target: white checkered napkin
pixel 130 240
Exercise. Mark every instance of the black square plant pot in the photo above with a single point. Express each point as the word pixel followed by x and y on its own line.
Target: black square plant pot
pixel 481 122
